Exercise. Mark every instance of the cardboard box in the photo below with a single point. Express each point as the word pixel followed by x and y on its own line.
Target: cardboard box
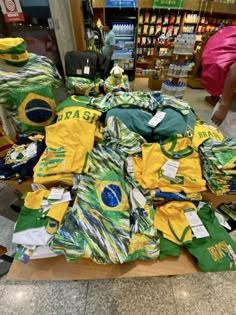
pixel 154 84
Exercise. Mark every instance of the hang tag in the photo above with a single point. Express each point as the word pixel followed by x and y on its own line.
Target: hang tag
pixel 35 187
pixel 139 197
pixel 56 193
pixel 31 150
pixel 13 155
pixel 200 231
pixel 170 169
pixel 192 217
pixel 78 71
pixel 195 223
pixel 130 167
pixel 222 220
pixel 24 252
pixel 86 70
pixel 65 198
pixel 155 120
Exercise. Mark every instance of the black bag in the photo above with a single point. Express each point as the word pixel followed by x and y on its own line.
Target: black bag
pixel 86 64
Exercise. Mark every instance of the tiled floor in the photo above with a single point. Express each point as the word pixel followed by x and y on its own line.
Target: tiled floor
pixel 200 293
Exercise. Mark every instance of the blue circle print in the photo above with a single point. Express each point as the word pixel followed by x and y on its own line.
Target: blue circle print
pixel 38 111
pixel 111 195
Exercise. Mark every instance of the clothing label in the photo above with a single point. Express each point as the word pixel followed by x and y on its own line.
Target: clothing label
pixel 195 223
pixel 37 186
pixel 86 70
pixel 13 155
pixel 155 120
pixel 139 197
pixel 192 217
pixel 23 253
pixel 65 198
pixel 222 220
pixel 78 71
pixel 31 150
pixel 56 193
pixel 200 231
pixel 170 169
pixel 130 167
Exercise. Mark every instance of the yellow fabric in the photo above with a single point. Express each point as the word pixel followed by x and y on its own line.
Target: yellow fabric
pixel 203 131
pixel 78 112
pixel 67 145
pixel 170 217
pixel 58 211
pixel 51 179
pixel 9 42
pixel 15 57
pixel 5 143
pixel 148 169
pixel 34 199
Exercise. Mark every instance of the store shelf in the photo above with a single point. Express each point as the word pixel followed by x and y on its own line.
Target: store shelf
pixel 137 75
pixel 121 36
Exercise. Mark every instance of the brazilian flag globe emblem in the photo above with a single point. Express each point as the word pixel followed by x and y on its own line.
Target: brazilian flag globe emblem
pixel 111 195
pixel 37 110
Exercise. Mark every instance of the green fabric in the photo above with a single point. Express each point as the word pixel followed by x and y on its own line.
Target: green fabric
pixel 12 45
pixel 74 100
pixel 174 122
pixel 212 252
pixel 28 218
pixel 168 248
pixel 143 247
pixel 32 108
pixel 135 119
pixel 68 239
pixel 38 70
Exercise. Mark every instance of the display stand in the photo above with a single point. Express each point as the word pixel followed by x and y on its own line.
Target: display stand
pixel 57 268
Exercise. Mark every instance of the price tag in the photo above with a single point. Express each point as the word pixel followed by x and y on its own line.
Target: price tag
pixel 192 217
pixel 31 150
pixel 86 70
pixel 56 193
pixel 139 197
pixel 78 71
pixel 200 231
pixel 170 169
pixel 130 167
pixel 222 220
pixel 155 120
pixel 196 224
pixel 13 155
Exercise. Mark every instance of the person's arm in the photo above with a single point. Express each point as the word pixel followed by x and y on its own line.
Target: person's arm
pixel 112 45
pixel 222 106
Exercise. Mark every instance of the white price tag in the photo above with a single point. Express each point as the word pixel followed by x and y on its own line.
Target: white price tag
pixel 222 220
pixel 37 186
pixel 192 217
pixel 130 167
pixel 78 71
pixel 139 197
pixel 56 193
pixel 200 231
pixel 155 120
pixel 196 224
pixel 31 150
pixel 13 155
pixel 170 169
pixel 65 198
pixel 86 70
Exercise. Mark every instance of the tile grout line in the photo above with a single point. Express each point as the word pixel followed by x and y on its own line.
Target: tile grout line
pixel 86 298
pixel 176 308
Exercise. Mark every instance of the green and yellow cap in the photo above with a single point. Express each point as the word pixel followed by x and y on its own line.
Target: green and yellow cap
pixel 13 51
